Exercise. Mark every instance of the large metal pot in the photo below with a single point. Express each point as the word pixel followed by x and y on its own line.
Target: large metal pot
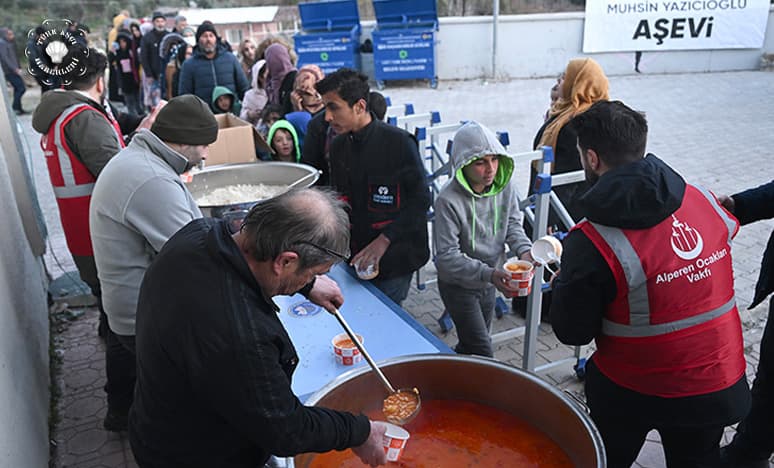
pixel 486 381
pixel 270 173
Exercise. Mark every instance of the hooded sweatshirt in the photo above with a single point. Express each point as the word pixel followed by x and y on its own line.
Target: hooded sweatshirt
pixel 289 127
pixel 219 91
pixel 471 229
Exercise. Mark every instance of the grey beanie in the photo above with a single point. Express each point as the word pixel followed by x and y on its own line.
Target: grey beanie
pixel 186 120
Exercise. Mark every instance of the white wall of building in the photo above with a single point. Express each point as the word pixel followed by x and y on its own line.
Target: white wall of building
pixel 24 377
pixel 541 45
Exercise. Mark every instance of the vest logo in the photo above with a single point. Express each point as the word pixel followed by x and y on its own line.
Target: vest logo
pixel 382 190
pixel 686 241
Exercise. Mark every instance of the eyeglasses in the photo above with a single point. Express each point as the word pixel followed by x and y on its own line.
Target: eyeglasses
pixel 326 250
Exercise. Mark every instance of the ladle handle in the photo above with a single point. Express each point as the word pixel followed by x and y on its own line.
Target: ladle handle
pixel 367 356
pixel 302 179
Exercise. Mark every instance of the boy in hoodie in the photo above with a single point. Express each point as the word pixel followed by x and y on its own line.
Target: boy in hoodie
pixel 225 101
pixel 283 140
pixel 475 216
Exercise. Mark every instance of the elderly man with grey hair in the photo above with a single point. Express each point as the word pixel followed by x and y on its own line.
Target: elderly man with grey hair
pixel 214 362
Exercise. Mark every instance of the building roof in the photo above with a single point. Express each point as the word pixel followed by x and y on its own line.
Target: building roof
pixel 261 14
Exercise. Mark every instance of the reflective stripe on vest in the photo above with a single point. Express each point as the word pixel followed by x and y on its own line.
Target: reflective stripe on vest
pixel 731 224
pixel 74 191
pixel 71 189
pixel 636 281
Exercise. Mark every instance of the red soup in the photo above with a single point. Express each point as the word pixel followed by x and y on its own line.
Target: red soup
pixel 454 433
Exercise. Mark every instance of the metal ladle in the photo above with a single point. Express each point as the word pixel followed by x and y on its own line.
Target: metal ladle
pixel 302 179
pixel 379 373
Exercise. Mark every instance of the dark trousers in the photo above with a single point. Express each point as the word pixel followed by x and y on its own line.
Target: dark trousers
pixel 395 288
pixel 472 312
pixel 754 439
pixel 623 421
pixel 120 365
pixel 18 89
pixel 121 369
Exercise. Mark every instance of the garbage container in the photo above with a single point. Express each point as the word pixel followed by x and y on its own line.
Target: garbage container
pixel 404 40
pixel 330 36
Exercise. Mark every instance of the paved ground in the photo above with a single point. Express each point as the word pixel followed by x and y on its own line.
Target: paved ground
pixel 716 129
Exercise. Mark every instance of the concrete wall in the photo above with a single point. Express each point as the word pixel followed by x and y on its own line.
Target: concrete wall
pixel 24 377
pixel 542 44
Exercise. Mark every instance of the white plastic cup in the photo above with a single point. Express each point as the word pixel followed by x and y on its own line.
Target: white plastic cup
pixel 547 249
pixel 394 441
pixel 367 272
pixel 346 356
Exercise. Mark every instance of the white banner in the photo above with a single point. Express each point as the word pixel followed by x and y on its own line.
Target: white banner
pixel 674 25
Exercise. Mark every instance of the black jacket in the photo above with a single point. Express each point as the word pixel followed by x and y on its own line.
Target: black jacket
pixel 149 54
pixel 635 196
pixel 214 365
pixel 754 205
pixel 379 171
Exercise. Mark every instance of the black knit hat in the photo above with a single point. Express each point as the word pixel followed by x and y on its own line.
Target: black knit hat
pixel 157 14
pixel 203 28
pixel 186 120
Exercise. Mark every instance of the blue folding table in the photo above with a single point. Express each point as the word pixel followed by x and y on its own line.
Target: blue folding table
pixel 387 331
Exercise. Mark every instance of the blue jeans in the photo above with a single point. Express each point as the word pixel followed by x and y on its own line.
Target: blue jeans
pixel 395 288
pixel 18 89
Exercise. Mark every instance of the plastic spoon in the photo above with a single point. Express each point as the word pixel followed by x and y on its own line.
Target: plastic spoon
pixel 413 392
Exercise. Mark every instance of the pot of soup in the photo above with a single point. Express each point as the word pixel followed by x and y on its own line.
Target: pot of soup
pixel 229 190
pixel 475 412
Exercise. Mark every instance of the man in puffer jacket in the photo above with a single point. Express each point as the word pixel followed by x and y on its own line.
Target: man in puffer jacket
pixel 211 65
pixel 476 214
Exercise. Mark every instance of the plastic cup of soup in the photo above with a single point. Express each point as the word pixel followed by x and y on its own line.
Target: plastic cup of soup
pixel 520 270
pixel 345 351
pixel 394 441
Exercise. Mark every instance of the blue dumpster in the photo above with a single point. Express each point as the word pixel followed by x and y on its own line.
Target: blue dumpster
pixel 404 40
pixel 330 36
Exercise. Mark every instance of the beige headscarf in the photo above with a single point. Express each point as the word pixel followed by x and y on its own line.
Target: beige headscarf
pixel 584 84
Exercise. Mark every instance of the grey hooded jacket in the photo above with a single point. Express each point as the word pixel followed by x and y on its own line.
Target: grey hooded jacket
pixel 471 230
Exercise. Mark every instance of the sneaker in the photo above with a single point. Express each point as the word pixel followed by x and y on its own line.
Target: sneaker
pixel 732 459
pixel 116 421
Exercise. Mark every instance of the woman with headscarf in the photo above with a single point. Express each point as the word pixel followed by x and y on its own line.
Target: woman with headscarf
pixel 247 57
pixel 255 98
pixel 584 84
pixel 282 75
pixel 305 96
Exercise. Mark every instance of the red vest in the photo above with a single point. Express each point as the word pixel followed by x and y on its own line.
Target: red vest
pixel 71 179
pixel 673 329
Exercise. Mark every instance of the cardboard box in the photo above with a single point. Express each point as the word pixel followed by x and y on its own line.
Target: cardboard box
pixel 236 143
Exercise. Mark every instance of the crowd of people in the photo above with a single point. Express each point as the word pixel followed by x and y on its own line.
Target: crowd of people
pixel 216 392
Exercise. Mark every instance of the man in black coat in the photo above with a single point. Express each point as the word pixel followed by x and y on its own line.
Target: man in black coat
pixel 753 443
pixel 149 56
pixel 214 362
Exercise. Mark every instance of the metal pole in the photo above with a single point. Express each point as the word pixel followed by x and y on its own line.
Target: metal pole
pixel 495 15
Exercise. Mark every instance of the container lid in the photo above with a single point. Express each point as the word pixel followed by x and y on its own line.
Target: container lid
pixel 406 13
pixel 331 15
